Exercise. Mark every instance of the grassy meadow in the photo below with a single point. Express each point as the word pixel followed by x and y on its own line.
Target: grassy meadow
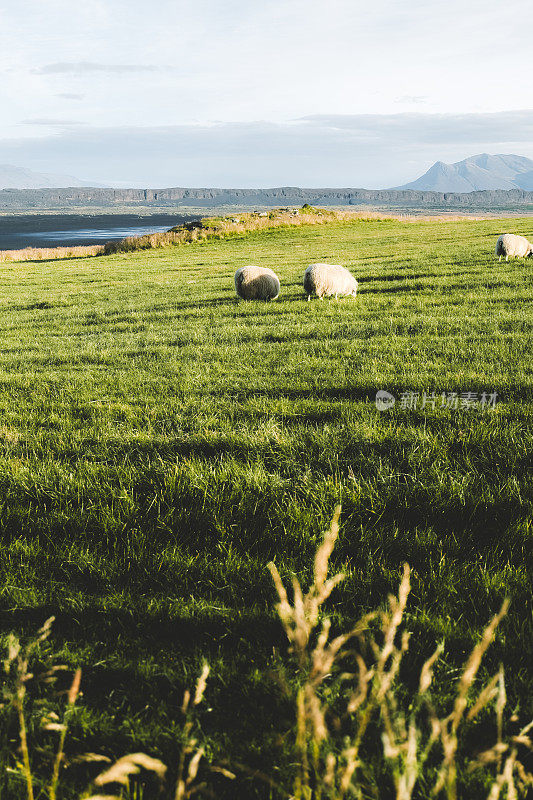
pixel 162 441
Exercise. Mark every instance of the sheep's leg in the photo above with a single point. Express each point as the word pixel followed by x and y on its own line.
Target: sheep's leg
pixel 507 258
pixel 308 298
pixel 500 258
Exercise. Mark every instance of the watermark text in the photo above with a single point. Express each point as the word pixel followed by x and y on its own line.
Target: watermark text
pixel 421 401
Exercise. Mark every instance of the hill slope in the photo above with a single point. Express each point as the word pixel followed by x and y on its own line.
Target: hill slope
pixel 21 178
pixel 161 442
pixel 477 173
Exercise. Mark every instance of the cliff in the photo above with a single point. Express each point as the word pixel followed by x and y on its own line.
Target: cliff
pixel 21 199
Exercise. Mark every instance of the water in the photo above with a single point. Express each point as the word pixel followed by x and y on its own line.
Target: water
pixel 58 230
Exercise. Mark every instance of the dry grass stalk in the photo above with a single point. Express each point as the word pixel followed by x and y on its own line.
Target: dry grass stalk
pixel 103 797
pixel 51 253
pixel 122 770
pixel 332 775
pixel 512 776
pixel 72 695
pixel 185 783
pixel 17 664
pixel 128 766
pixel 18 658
pixel 449 725
pixel 329 766
pixel 300 619
pixel 329 771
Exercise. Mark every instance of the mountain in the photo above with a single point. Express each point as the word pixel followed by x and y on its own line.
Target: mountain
pixel 21 178
pixel 477 173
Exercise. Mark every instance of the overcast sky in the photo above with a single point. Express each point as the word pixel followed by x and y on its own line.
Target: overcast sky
pixel 262 92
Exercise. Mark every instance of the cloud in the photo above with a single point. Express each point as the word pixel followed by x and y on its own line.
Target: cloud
pixel 251 60
pixel 49 122
pixel 70 96
pixel 87 67
pixel 414 128
pixel 412 98
pixel 369 150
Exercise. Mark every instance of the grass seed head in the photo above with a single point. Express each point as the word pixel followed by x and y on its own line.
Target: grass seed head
pixel 200 686
pixel 129 765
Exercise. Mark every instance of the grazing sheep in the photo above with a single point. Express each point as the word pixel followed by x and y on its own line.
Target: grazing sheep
pixel 256 283
pixel 509 244
pixel 328 279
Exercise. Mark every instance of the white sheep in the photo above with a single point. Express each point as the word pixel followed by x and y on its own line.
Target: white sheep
pixel 328 279
pixel 509 244
pixel 256 283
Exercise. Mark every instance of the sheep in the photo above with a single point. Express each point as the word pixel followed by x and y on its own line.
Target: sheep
pixel 509 244
pixel 256 283
pixel 328 279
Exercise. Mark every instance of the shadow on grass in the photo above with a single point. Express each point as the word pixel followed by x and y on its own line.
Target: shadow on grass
pixel 204 631
pixel 122 685
pixel 367 392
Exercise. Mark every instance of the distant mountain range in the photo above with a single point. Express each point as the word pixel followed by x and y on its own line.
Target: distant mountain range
pixel 482 181
pixel 21 178
pixel 477 173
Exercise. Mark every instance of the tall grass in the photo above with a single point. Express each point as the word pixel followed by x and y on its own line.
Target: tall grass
pixel 51 253
pixel 347 689
pixel 329 738
pixel 27 762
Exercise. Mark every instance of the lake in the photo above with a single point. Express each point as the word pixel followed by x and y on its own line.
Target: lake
pixel 63 230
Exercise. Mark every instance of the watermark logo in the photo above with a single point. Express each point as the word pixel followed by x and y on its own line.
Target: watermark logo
pixel 384 400
pixel 453 401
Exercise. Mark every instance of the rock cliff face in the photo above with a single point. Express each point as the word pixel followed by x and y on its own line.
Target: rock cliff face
pixel 286 195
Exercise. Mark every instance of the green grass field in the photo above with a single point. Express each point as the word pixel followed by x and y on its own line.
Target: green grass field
pixel 161 442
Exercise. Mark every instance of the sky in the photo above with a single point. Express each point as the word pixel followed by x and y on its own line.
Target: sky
pixel 264 92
